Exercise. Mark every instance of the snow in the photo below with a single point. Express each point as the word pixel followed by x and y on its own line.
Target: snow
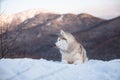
pixel 60 18
pixel 39 35
pixel 48 24
pixel 26 21
pixel 41 69
pixel 41 22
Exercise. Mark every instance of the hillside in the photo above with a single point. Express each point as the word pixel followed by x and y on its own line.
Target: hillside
pixel 35 36
pixel 102 41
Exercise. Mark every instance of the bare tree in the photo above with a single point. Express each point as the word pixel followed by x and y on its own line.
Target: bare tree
pixel 3 33
pixel 5 42
pixel 3 38
pixel 7 36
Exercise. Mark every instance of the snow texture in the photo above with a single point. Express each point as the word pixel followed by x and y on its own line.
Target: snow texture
pixel 33 69
pixel 48 24
pixel 60 18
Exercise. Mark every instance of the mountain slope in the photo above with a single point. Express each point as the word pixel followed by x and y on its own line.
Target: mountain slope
pixel 102 41
pixel 35 36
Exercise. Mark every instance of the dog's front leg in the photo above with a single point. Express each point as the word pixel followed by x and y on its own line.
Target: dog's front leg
pixel 64 61
pixel 78 62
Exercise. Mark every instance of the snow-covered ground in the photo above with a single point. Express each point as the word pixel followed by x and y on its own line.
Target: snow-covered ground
pixel 32 69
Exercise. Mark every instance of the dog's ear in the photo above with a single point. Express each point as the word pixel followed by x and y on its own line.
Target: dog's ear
pixel 62 32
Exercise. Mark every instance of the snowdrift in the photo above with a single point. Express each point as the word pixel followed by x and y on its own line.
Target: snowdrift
pixel 32 69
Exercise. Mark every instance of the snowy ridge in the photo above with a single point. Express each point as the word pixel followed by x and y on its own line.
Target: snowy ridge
pixel 60 18
pixel 32 69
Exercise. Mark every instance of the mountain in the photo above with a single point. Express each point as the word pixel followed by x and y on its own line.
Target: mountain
pixel 14 20
pixel 35 36
pixel 102 41
pixel 37 16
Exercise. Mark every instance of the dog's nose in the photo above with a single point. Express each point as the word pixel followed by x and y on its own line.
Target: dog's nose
pixel 54 45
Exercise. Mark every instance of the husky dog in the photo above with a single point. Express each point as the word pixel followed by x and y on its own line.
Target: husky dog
pixel 72 52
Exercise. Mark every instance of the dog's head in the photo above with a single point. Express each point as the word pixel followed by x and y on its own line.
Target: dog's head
pixel 64 40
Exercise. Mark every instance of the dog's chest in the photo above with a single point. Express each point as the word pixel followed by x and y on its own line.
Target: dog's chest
pixel 68 56
pixel 71 57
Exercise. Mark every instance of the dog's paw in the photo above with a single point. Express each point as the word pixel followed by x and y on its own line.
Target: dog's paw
pixel 64 61
pixel 78 62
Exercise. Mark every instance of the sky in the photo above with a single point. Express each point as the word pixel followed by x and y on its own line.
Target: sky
pixel 100 8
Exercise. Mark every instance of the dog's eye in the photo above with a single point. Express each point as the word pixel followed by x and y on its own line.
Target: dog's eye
pixel 63 38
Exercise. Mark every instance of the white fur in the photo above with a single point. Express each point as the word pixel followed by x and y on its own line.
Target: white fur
pixel 71 53
pixel 61 32
pixel 61 44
